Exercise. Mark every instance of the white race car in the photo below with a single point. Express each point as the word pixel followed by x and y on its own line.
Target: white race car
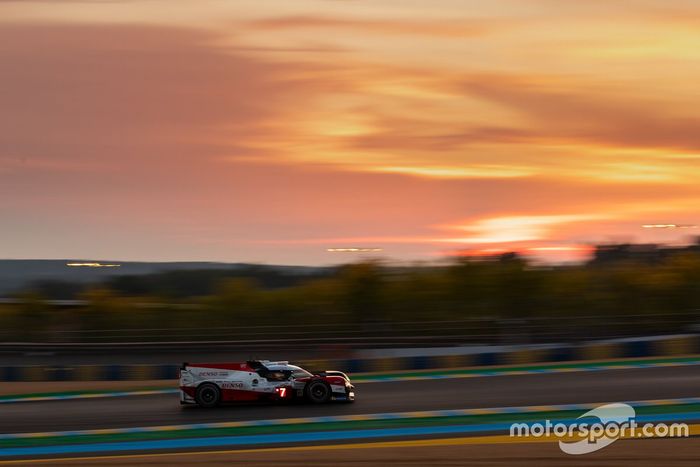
pixel 210 384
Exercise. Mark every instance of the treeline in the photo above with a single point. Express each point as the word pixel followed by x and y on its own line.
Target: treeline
pixel 483 298
pixel 183 283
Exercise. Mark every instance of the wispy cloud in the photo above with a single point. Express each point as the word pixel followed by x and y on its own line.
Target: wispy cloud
pixel 453 28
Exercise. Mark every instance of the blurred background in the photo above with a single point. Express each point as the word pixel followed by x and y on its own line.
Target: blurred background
pixel 623 290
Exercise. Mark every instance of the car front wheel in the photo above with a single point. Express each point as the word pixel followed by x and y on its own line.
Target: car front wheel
pixel 318 392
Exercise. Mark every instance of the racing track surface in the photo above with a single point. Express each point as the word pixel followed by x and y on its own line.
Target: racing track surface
pixel 442 394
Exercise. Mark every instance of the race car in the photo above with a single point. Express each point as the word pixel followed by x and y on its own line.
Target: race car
pixel 210 384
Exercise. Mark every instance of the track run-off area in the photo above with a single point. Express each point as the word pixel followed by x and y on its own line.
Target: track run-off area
pixel 469 405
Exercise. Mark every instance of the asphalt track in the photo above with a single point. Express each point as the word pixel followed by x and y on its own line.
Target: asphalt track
pixel 441 394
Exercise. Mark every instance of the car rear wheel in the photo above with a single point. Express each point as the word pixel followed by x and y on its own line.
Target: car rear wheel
pixel 318 392
pixel 208 395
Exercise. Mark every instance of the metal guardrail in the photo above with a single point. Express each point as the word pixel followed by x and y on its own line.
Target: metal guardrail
pixel 477 331
pixel 655 347
pixel 248 345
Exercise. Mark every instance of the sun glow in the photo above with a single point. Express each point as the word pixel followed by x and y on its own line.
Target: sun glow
pixel 512 229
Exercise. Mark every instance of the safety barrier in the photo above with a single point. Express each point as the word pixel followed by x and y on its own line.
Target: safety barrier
pixel 652 347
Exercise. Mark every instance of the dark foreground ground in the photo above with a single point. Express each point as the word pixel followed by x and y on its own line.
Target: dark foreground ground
pixel 626 453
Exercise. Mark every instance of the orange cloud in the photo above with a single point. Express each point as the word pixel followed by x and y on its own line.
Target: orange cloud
pixel 436 28
pixel 570 111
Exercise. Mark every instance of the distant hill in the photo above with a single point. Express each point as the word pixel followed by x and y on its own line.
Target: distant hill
pixel 17 275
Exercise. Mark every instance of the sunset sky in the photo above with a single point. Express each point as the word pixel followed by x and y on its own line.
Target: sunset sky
pixel 272 130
